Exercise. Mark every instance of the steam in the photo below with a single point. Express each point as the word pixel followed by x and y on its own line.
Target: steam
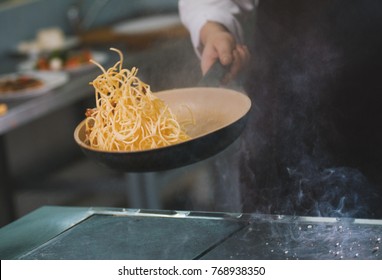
pixel 226 183
pixel 331 192
pixel 292 158
pixel 288 162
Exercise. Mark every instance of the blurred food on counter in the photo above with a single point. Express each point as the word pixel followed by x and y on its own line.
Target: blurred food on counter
pixel 50 39
pixel 3 109
pixel 63 60
pixel 47 40
pixel 53 51
pixel 19 82
pixel 21 85
pixel 59 60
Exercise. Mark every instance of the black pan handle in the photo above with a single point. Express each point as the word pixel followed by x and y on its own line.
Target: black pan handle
pixel 214 76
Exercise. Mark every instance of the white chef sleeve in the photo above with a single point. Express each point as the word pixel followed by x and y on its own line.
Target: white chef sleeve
pixel 195 13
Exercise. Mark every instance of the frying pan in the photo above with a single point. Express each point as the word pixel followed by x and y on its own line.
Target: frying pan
pixel 220 115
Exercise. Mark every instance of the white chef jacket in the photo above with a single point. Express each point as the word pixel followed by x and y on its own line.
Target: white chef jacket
pixel 195 13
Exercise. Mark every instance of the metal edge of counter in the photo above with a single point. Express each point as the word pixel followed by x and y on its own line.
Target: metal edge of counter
pixel 45 223
pixel 38 227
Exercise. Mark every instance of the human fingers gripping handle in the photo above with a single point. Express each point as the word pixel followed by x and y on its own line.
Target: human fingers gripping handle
pixel 219 74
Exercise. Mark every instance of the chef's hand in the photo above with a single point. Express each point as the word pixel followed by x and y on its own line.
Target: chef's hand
pixel 219 44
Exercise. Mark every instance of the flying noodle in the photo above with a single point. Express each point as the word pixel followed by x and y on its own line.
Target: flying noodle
pixel 127 116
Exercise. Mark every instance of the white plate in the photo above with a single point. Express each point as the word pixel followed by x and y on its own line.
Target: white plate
pixel 50 80
pixel 99 57
pixel 32 47
pixel 147 24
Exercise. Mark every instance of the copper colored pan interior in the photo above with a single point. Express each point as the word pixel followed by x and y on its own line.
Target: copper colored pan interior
pixel 211 108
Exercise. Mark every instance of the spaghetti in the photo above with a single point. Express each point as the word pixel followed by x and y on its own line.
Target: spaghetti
pixel 128 117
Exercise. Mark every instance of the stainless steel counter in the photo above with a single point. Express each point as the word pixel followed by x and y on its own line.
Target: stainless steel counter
pixel 100 233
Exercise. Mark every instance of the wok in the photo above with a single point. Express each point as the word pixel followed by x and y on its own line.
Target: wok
pixel 220 115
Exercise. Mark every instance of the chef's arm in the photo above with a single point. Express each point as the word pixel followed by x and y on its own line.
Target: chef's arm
pixel 219 44
pixel 215 32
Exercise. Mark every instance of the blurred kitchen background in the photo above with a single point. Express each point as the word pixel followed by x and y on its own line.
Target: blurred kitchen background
pixel 40 162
